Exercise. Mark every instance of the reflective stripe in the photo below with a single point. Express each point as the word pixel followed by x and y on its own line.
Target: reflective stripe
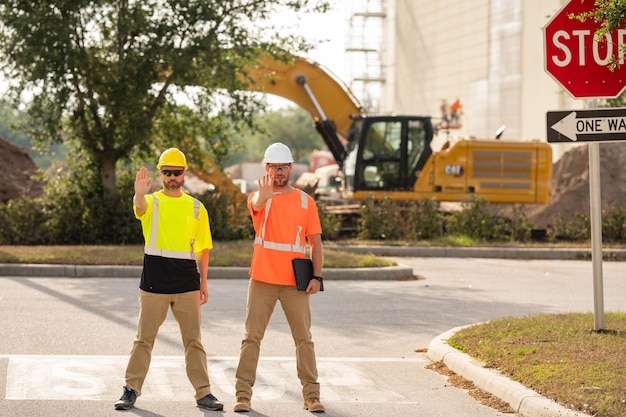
pixel 169 253
pixel 285 247
pixel 154 234
pixel 303 200
pixel 154 230
pixel 298 246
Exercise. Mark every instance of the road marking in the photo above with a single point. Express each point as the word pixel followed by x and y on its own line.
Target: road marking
pixel 86 377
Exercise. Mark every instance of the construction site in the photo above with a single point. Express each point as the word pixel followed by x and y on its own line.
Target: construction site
pixel 468 74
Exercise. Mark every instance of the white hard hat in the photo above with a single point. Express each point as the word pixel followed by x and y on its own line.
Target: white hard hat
pixel 277 153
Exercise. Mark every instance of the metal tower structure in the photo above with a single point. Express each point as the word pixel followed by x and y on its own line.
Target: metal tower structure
pixel 365 51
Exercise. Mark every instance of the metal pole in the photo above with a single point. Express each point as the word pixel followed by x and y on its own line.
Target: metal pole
pixel 596 231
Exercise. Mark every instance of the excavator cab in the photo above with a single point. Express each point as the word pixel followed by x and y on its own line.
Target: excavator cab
pixel 387 153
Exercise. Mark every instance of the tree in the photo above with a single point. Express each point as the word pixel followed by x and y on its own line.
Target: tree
pixel 294 127
pixel 106 73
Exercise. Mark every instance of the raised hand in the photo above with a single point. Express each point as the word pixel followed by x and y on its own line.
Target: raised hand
pixel 143 183
pixel 266 187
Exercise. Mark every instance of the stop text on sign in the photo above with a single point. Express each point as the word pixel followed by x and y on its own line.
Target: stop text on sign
pixel 578 58
pixel 581 41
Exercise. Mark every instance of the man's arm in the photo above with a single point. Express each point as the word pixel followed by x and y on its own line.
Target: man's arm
pixel 317 257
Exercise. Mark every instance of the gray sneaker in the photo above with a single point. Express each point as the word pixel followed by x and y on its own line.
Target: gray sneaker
pixel 127 400
pixel 210 403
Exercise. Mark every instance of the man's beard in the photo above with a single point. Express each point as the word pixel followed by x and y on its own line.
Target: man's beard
pixel 281 182
pixel 172 185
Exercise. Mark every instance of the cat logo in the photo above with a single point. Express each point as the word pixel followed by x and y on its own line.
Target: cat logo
pixel 456 170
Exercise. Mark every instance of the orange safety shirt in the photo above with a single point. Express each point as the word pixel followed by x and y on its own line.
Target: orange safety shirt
pixel 281 228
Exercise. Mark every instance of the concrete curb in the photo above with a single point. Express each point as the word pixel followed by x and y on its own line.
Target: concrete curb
pixel 523 400
pixel 215 272
pixel 481 252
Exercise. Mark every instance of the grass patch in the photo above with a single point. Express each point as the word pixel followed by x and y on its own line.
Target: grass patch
pixel 238 253
pixel 559 356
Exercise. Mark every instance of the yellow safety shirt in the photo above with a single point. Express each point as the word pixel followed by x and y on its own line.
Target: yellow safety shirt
pixel 175 229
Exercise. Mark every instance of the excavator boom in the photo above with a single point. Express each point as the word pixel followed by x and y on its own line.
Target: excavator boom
pixel 296 81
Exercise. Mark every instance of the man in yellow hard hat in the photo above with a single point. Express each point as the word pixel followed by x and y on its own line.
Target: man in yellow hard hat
pixel 177 239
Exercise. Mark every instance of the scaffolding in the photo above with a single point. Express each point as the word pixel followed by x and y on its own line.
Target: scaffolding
pixel 365 51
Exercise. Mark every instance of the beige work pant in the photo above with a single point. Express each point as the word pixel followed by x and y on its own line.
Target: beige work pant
pixel 262 298
pixel 152 312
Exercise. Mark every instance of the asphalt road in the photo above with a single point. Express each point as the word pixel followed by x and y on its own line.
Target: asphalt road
pixel 64 341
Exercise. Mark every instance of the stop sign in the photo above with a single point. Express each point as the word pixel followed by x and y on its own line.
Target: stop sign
pixel 577 60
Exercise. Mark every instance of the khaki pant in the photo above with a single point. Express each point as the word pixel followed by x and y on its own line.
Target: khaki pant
pixel 153 310
pixel 262 298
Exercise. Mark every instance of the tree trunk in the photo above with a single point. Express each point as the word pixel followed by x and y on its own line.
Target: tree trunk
pixel 108 176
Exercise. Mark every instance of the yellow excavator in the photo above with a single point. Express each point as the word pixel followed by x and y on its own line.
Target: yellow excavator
pixel 390 156
pixel 387 156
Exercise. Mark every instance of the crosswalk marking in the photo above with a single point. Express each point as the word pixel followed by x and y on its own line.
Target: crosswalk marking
pixel 98 377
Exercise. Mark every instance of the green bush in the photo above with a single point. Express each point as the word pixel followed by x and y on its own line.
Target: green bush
pixel 73 211
pixel 229 221
pixel 614 225
pixel 474 220
pixel 380 219
pixel 331 223
pixel 424 220
pixel 574 231
pixel 23 222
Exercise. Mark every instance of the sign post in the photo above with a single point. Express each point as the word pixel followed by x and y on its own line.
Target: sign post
pixel 579 62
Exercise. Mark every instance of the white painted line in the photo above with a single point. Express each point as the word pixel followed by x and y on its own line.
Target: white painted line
pixel 98 377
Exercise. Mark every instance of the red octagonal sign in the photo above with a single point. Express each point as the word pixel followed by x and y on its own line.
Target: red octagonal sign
pixel 577 60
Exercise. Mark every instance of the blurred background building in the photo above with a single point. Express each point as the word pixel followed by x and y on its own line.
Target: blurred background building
pixel 420 57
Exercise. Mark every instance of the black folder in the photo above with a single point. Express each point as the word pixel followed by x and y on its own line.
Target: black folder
pixel 303 270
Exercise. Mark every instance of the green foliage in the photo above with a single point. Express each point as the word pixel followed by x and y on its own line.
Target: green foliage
pixel 228 220
pixel 379 220
pixel 108 73
pixel 577 230
pixel 73 210
pixel 44 155
pixel 23 222
pixel 520 226
pixel 292 126
pixel 474 221
pixel 331 223
pixel 614 225
pixel 425 221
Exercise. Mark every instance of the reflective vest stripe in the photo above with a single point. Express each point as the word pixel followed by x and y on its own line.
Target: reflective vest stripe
pixel 154 234
pixel 298 246
pixel 169 253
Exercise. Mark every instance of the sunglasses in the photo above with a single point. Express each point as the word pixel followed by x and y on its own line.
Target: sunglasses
pixel 174 172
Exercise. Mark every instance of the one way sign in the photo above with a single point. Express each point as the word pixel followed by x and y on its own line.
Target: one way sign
pixel 600 125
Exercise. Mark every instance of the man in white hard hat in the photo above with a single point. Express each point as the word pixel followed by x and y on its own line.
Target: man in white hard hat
pixel 284 220
pixel 173 277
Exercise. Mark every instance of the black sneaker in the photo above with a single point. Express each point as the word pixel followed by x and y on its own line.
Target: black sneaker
pixel 210 403
pixel 127 401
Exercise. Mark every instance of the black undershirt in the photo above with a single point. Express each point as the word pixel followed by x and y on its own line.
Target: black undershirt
pixel 169 276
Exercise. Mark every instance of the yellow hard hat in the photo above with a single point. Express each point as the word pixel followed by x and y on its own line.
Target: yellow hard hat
pixel 172 157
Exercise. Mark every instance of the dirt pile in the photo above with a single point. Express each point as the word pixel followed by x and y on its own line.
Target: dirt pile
pixel 18 169
pixel 570 184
